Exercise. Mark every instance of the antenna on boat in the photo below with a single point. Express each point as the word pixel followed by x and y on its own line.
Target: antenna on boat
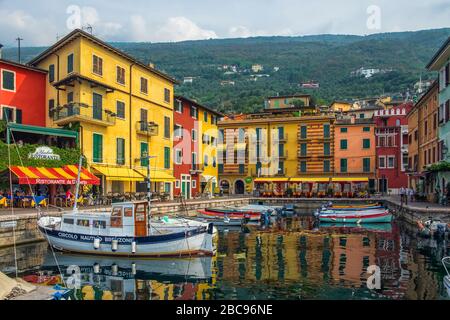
pixel 147 157
pixel 80 163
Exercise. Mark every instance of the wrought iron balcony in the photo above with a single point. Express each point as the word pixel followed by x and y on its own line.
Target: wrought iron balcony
pixel 81 112
pixel 147 128
pixel 195 169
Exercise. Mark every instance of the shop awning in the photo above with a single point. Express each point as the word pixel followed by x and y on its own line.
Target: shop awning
pixel 119 174
pixel 350 179
pixel 309 179
pixel 64 175
pixel 268 180
pixel 157 175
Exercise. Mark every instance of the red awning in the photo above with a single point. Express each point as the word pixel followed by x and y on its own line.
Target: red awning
pixel 65 175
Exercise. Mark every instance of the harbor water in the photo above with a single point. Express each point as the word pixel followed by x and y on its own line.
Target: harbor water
pixel 291 259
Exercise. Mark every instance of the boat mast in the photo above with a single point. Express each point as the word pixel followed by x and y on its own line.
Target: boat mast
pixel 78 183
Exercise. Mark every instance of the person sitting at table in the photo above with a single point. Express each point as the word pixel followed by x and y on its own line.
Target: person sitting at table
pixel 69 196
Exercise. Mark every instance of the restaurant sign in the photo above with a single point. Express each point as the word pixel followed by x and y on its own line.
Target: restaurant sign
pixel 44 153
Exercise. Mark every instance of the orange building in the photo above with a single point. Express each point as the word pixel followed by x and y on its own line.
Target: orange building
pixel 354 154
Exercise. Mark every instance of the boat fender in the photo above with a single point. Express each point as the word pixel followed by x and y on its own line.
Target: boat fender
pixel 316 213
pixel 96 243
pixel 114 245
pixel 210 228
pixel 114 269
pixel 96 268
pixel 133 269
pixel 133 247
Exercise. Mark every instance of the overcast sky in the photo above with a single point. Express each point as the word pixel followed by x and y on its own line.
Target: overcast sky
pixel 178 20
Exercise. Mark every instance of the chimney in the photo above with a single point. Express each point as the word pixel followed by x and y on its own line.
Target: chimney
pixel 1 46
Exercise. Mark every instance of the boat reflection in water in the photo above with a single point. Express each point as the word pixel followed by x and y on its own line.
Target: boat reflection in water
pixel 105 278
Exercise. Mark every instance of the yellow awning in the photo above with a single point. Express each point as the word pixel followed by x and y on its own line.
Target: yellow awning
pixel 157 175
pixel 262 180
pixel 309 179
pixel 119 174
pixel 350 179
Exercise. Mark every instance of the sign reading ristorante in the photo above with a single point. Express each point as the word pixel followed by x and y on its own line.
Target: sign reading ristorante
pixel 44 153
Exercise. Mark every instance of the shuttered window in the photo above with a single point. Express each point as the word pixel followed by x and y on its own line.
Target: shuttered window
pixel 326 130
pixel 167 127
pixel 120 109
pixel 166 157
pixel 326 149
pixel 97 65
pixel 120 151
pixel 303 149
pixel 303 132
pixel 343 165
pixel 144 85
pixel 144 154
pixel 366 143
pixel 120 75
pixel 366 164
pixel 166 95
pixel 70 63
pixel 326 166
pixel 8 80
pixel 97 144
pixel 344 144
pixel 51 73
pixel 302 166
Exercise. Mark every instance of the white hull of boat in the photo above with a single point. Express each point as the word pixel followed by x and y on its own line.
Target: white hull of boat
pixel 197 241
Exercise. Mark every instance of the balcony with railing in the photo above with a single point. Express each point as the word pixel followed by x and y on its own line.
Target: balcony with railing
pixel 81 112
pixel 195 168
pixel 146 128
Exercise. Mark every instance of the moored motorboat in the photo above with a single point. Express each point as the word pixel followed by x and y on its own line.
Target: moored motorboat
pixel 126 230
pixel 354 206
pixel 360 216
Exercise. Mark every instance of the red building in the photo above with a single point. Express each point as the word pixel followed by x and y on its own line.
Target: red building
pixel 22 93
pixel 391 140
pixel 194 147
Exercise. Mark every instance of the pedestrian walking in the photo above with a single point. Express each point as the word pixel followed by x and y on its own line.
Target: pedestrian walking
pixel 402 196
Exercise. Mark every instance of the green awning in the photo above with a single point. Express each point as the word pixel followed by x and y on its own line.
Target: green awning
pixel 42 130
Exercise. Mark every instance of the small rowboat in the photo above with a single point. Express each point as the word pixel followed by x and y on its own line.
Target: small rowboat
pixel 368 216
pixel 250 215
pixel 376 207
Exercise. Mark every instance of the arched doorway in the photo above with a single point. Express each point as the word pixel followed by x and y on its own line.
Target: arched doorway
pixel 225 186
pixel 239 187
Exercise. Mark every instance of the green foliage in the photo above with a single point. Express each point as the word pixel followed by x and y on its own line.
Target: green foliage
pixel 19 155
pixel 441 166
pixel 327 59
pixel 298 103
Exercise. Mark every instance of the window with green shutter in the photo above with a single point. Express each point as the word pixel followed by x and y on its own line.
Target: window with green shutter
pixel 326 149
pixel 303 132
pixel 8 80
pixel 70 63
pixel 220 168
pixel 51 73
pixel 366 129
pixel 302 166
pixel 120 150
pixel 326 166
pixel 343 165
pixel 344 144
pixel 241 168
pixel 280 133
pixel 144 154
pixel 303 149
pixel 97 106
pixel 326 130
pixel 366 143
pixel 97 144
pixel 281 149
pixel 166 157
pixel 18 116
pixel 366 164
pixel 344 130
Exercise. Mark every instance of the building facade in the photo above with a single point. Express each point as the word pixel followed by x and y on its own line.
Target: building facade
pixel 354 152
pixel 22 93
pixel 122 109
pixel 261 149
pixel 440 63
pixel 195 148
pixel 423 142
pixel 391 138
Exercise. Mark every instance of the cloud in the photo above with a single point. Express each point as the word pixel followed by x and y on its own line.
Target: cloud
pixel 239 32
pixel 19 23
pixel 244 32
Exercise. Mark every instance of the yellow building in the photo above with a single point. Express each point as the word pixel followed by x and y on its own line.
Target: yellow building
pixel 258 151
pixel 122 109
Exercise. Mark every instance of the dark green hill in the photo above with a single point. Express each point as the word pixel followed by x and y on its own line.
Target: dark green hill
pixel 326 59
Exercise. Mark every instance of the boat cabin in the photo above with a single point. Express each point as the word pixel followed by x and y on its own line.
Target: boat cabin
pixel 125 219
